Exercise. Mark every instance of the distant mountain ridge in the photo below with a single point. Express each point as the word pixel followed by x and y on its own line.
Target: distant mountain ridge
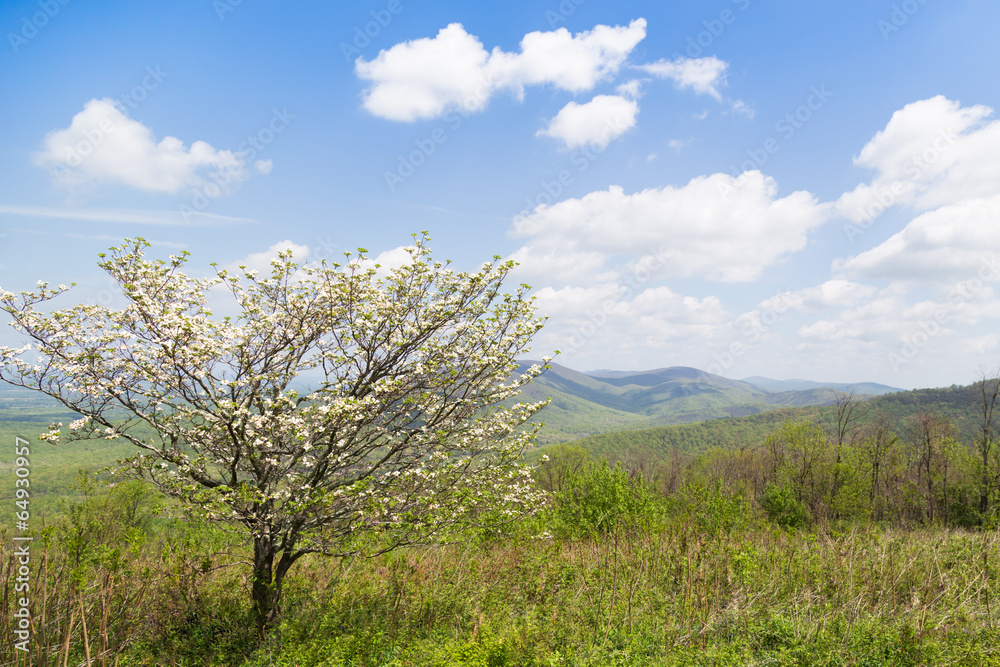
pixel 870 388
pixel 589 403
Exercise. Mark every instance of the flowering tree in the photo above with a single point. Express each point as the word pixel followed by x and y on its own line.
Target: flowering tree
pixel 403 438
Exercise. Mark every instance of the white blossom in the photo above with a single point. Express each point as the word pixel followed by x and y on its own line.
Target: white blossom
pixel 406 429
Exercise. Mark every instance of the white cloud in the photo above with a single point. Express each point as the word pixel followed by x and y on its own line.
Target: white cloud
pixel 423 78
pixel 829 294
pixel 630 89
pixel 981 345
pixel 888 319
pixel 261 261
pixel 120 215
pixel 931 153
pixel 386 261
pixel 395 258
pixel 717 227
pixel 104 146
pixel 569 62
pixel 597 123
pixel 613 325
pixel 703 75
pixel 951 242
pixel 878 320
pixel 263 166
pixel 741 107
pixel 897 332
pixel 679 144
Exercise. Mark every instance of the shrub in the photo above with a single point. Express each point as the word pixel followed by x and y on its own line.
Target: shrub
pixel 782 508
pixel 598 500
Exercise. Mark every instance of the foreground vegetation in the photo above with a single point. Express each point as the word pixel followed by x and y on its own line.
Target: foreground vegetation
pixel 612 573
pixel 862 538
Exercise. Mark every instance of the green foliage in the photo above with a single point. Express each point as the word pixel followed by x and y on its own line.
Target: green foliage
pixel 107 525
pixel 401 439
pixel 700 583
pixel 711 511
pixel 783 508
pixel 564 462
pixel 663 561
pixel 599 499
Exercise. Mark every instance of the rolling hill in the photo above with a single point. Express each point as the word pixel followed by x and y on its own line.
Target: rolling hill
pixel 957 404
pixel 585 404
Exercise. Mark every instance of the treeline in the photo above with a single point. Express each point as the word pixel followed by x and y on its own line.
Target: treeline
pixel 852 463
pixel 957 404
pixel 661 443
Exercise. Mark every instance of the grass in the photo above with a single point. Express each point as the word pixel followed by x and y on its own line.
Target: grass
pixel 673 595
pixel 670 597
pixel 705 581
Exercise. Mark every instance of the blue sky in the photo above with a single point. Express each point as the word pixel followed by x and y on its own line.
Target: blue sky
pixel 749 187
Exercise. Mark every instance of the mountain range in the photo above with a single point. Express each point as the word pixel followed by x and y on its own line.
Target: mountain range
pixel 589 403
pixel 595 402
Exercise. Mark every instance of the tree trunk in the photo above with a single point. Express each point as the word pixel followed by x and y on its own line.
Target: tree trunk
pixel 268 579
pixel 263 589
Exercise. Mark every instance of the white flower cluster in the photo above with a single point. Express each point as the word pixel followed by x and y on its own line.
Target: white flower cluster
pixel 405 430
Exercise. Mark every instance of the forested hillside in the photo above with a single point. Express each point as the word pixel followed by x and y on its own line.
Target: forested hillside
pixel 587 404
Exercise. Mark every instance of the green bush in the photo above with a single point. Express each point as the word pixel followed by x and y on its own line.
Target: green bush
pixel 711 510
pixel 782 507
pixel 599 500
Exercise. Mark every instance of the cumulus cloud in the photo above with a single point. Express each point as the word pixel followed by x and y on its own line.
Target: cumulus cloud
pixel 897 332
pixel 829 294
pixel 932 153
pixel 950 242
pixel 702 75
pixel 596 123
pixel 102 145
pixel 261 261
pixel 888 319
pixel 394 258
pixel 716 227
pixel 631 89
pixel 423 78
pixel 877 320
pixel 618 326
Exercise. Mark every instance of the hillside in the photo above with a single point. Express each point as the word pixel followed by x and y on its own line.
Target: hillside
pixel 586 404
pixel 869 388
pixel 957 404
